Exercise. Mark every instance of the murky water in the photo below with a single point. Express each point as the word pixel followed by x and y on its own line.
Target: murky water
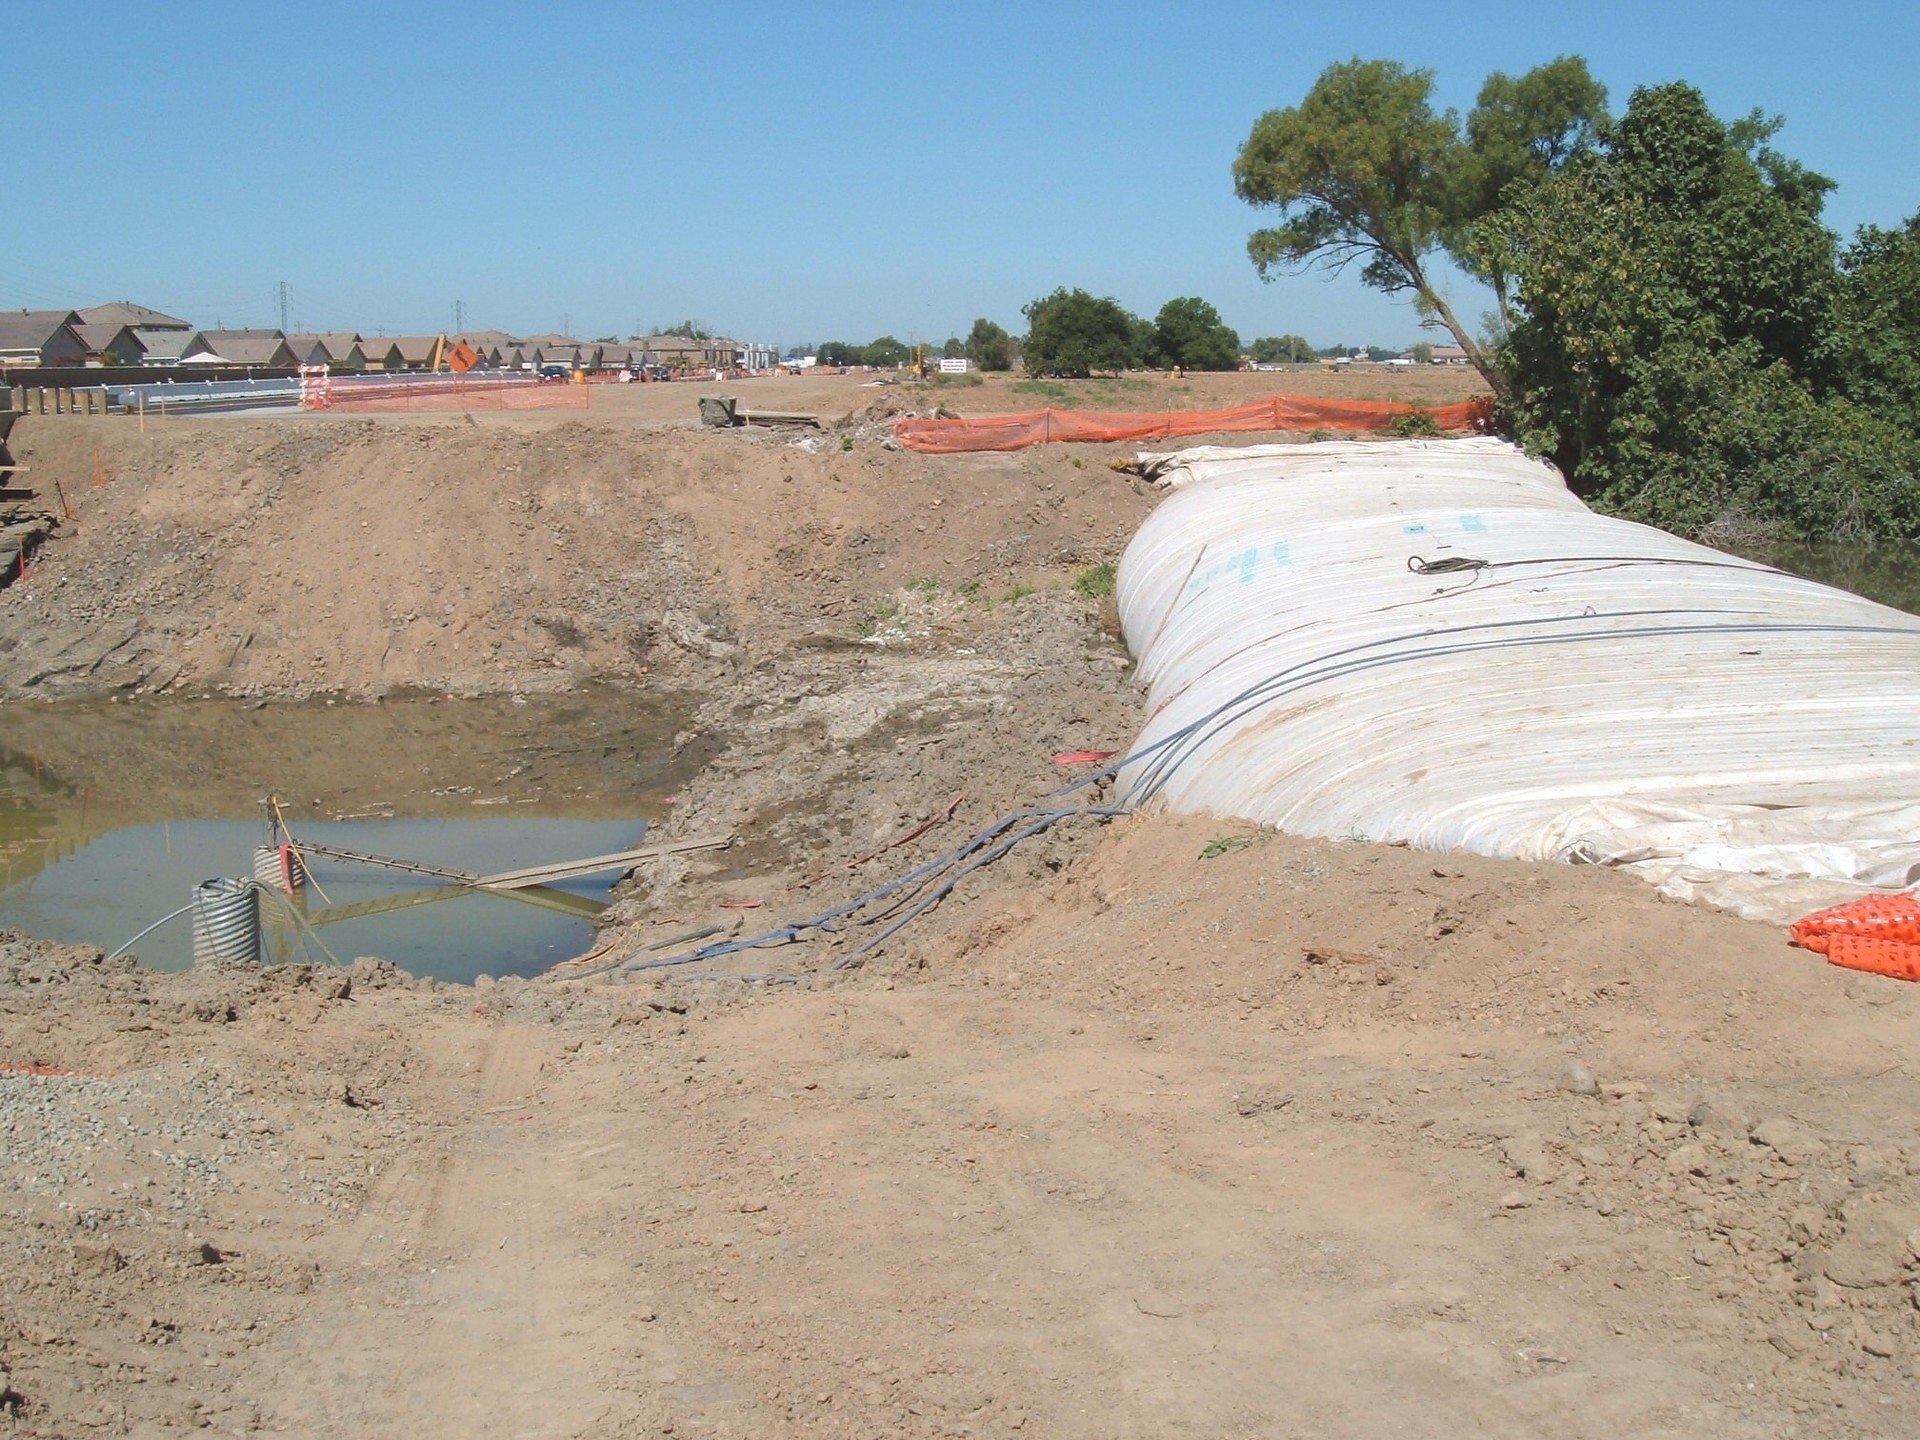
pixel 1885 570
pixel 109 814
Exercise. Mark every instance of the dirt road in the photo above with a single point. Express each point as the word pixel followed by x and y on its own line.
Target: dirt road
pixel 1526 1152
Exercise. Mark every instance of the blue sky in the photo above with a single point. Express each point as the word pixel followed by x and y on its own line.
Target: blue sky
pixel 790 172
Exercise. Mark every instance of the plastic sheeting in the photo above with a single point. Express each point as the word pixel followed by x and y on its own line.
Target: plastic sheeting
pixel 1436 643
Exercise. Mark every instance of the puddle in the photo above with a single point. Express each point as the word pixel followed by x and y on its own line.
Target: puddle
pixel 110 813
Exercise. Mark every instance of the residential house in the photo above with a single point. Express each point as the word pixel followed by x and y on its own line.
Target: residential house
pixel 265 348
pixel 137 317
pixel 336 349
pixel 418 352
pixel 41 337
pixel 1449 355
pixel 109 344
pixel 162 347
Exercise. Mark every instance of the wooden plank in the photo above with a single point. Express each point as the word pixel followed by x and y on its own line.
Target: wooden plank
pixel 778 417
pixel 568 869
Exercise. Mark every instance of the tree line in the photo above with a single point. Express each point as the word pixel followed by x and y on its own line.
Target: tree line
pixel 1074 333
pixel 1672 321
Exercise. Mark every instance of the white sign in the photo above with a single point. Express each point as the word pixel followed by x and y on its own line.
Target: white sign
pixel 954 365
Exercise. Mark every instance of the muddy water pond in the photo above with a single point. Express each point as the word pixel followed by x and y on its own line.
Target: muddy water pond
pixel 111 812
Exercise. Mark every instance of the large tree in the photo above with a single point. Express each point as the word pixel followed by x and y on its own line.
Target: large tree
pixel 1189 332
pixel 1073 333
pixel 1365 170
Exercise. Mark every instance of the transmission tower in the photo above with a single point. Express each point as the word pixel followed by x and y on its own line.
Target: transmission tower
pixel 283 307
pixel 459 317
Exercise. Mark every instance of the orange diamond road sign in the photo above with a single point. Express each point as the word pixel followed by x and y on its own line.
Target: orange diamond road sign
pixel 462 358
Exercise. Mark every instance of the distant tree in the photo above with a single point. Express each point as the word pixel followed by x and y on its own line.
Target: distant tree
pixel 838 352
pixel 1378 353
pixel 689 330
pixel 885 351
pixel 1422 353
pixel 989 347
pixel 1282 350
pixel 953 349
pixel 605 340
pixel 1073 333
pixel 1189 332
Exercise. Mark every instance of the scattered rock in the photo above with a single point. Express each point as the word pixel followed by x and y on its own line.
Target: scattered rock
pixel 1577 1079
pixel 1788 1139
pixel 1526 1155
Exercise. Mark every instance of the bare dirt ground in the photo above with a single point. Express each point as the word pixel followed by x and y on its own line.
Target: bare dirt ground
pixel 1160 1126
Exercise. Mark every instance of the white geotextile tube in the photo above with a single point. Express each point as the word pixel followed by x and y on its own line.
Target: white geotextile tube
pixel 1435 642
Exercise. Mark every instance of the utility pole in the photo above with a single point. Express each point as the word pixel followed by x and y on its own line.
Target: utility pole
pixel 283 307
pixel 459 317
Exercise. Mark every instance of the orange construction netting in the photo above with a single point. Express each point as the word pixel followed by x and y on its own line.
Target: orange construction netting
pixel 452 393
pixel 1278 412
pixel 1880 933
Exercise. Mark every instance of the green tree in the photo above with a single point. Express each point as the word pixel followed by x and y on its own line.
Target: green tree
pixel 1282 350
pixel 1189 332
pixel 838 352
pixel 1365 170
pixel 1073 333
pixel 1521 130
pixel 886 351
pixel 953 349
pixel 1876 335
pixel 1674 342
pixel 1422 353
pixel 688 330
pixel 989 347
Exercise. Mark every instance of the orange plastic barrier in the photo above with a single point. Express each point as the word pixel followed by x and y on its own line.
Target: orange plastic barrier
pixel 372 398
pixel 1278 412
pixel 1880 933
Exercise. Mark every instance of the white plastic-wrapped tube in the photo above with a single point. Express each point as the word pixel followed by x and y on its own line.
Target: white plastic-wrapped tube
pixel 1435 642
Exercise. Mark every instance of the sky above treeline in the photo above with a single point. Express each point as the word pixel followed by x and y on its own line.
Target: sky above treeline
pixel 791 173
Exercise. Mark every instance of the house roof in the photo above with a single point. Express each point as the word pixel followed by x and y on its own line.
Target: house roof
pixel 484 339
pixel 241 347
pixel 414 348
pixel 336 342
pixel 102 337
pixel 125 312
pixel 547 341
pixel 32 329
pixel 162 344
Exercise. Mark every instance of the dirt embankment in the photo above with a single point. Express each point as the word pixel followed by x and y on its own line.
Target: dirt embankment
pixel 293 556
pixel 1159 1126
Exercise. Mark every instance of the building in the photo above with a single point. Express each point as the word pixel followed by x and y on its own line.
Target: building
pixel 416 352
pixel 265 348
pixel 1449 355
pixel 41 337
pixel 336 349
pixel 135 317
pixel 109 344
pixel 162 347
pixel 748 355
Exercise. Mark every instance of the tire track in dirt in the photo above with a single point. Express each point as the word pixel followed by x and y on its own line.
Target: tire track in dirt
pixel 478 1331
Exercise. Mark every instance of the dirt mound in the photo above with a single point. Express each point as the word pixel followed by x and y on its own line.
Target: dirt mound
pixel 299 555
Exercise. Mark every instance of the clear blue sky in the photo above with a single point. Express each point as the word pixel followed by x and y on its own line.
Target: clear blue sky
pixel 789 172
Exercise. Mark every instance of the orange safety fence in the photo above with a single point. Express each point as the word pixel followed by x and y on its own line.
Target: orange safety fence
pixel 1278 412
pixel 1880 933
pixel 463 393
